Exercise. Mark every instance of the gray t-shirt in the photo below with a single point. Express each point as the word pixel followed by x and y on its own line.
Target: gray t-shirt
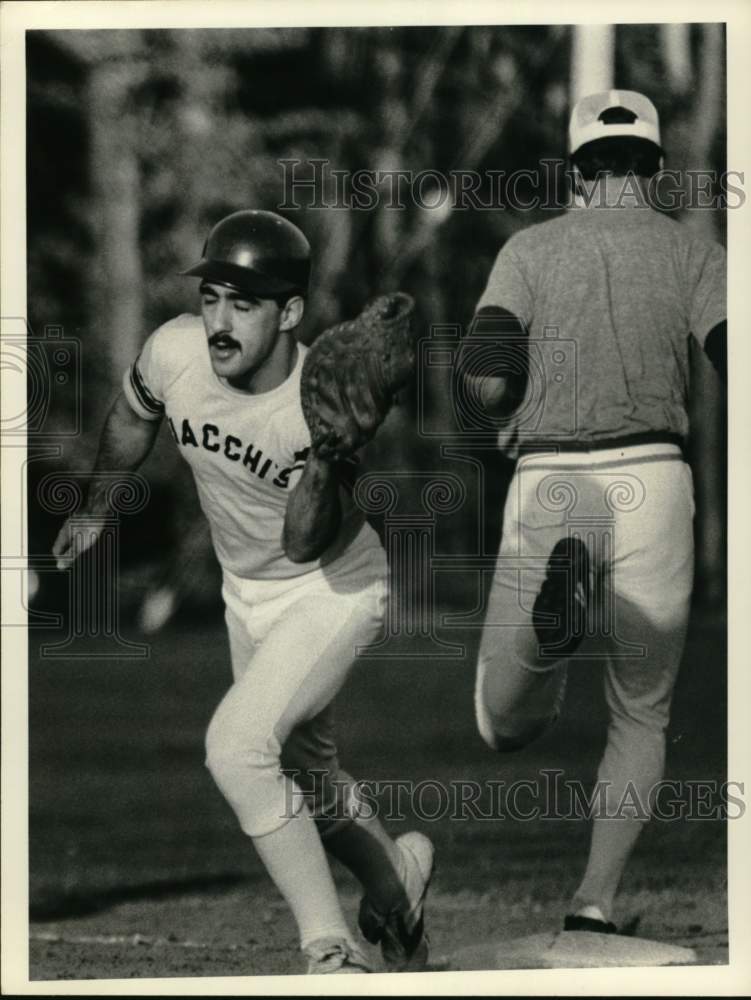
pixel 609 297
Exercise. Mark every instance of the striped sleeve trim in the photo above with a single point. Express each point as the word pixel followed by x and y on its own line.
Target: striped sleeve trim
pixel 147 400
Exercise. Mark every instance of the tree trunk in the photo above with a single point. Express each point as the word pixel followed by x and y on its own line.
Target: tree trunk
pixel 116 276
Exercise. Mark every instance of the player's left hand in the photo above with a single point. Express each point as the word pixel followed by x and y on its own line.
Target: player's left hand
pixel 79 532
pixel 352 372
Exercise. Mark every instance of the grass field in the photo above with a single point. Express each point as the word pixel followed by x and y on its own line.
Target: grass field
pixel 137 867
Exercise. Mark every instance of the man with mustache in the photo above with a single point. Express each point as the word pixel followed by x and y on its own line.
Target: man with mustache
pixel 303 584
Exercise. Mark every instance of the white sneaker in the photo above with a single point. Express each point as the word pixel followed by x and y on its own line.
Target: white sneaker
pixel 334 955
pixel 401 931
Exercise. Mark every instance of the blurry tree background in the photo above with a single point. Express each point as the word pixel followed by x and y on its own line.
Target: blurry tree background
pixel 138 141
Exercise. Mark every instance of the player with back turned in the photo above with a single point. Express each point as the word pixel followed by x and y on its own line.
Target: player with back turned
pixel 303 578
pixel 596 558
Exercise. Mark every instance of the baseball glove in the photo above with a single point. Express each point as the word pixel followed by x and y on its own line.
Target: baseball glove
pixel 352 372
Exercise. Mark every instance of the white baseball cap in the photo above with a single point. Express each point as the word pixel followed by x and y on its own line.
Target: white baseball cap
pixel 613 113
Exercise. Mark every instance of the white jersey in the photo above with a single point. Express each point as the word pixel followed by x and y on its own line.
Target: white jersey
pixel 246 450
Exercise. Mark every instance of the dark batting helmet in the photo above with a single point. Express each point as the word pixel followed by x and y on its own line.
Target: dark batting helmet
pixel 257 252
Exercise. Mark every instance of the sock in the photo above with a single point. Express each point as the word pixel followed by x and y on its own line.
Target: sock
pixel 372 856
pixel 611 844
pixel 591 913
pixel 296 861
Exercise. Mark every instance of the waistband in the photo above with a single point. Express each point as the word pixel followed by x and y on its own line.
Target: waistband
pixel 603 444
pixel 602 457
pixel 363 560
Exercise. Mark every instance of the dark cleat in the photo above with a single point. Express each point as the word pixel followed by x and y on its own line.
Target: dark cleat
pixel 559 615
pixel 579 923
pixel 401 931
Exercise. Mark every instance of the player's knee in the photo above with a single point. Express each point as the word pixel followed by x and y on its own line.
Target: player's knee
pixel 217 744
pixel 237 760
pixel 510 737
pixel 511 717
pixel 491 729
pixel 249 778
pixel 221 761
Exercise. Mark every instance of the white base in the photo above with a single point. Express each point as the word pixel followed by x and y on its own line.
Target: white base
pixel 570 950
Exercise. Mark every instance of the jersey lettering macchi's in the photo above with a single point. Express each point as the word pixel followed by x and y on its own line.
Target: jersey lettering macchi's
pixel 246 451
pixel 229 446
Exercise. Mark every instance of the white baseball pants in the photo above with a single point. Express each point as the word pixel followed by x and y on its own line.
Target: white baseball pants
pixel 292 643
pixel 633 508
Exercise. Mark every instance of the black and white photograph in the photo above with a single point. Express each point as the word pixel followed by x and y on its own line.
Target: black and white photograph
pixel 373 490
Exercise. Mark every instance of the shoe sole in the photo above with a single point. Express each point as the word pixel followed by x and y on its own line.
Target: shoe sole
pixel 564 595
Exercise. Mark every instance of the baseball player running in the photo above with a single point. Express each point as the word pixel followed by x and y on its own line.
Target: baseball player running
pixel 594 310
pixel 303 584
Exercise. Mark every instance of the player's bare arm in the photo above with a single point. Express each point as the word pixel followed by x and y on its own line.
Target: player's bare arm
pixel 125 442
pixel 349 380
pixel 496 376
pixel 314 512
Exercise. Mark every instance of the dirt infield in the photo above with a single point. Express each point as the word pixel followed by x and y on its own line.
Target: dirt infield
pixel 246 932
pixel 137 868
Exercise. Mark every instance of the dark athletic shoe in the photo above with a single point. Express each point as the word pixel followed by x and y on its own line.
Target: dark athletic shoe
pixel 401 931
pixel 559 615
pixel 577 923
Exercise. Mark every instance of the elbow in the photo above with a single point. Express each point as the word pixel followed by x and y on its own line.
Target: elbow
pixel 499 396
pixel 494 395
pixel 511 398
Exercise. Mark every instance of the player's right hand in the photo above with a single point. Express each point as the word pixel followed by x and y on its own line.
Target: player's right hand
pixel 76 536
